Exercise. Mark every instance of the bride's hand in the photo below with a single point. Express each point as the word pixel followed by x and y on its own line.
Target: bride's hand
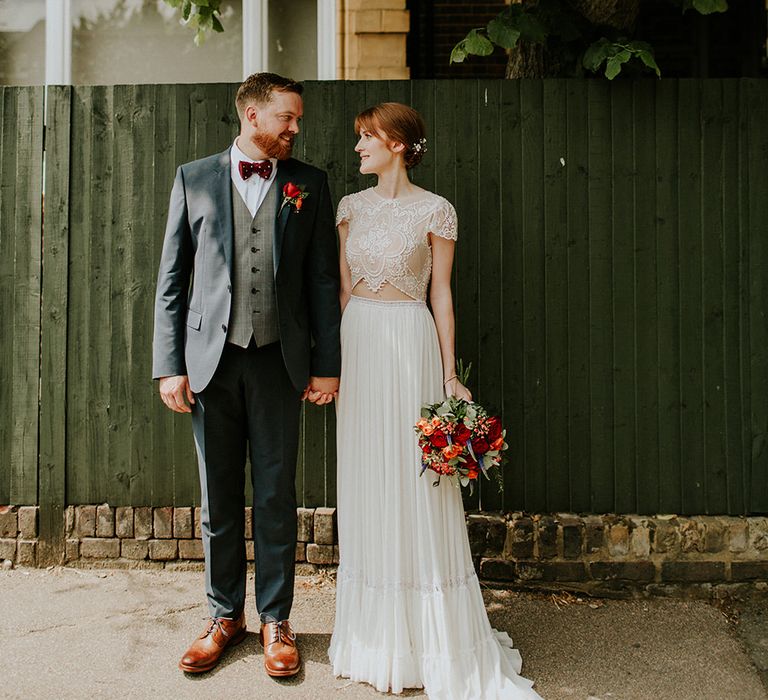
pixel 453 387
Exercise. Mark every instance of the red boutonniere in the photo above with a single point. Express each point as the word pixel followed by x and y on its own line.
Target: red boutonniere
pixel 293 194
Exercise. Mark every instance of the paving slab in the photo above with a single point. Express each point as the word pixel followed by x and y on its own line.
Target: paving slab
pixel 74 633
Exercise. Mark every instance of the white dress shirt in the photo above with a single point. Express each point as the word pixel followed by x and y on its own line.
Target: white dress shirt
pixel 254 189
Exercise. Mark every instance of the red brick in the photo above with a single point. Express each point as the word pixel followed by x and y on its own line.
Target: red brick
pixel 142 523
pixel 28 522
pixel 191 549
pixel 134 549
pixel 124 522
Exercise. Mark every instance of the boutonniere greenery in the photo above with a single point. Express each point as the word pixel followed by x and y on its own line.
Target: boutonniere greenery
pixel 293 194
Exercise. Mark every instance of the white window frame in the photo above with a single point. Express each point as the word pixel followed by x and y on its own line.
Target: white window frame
pixel 256 38
pixel 58 39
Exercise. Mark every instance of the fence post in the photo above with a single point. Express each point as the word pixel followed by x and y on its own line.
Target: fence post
pixel 53 391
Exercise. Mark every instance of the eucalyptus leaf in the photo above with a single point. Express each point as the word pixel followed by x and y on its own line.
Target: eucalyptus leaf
pixel 647 58
pixel 217 25
pixel 595 54
pixel 186 9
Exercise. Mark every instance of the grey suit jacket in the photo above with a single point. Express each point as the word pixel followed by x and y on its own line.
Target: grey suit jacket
pixel 194 284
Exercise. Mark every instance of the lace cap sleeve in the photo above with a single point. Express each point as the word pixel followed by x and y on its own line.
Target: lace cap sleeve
pixel 344 210
pixel 444 222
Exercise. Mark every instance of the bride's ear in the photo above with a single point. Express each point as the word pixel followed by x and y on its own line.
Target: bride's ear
pixel 396 147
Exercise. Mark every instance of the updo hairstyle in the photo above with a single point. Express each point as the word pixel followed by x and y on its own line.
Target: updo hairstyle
pixel 396 122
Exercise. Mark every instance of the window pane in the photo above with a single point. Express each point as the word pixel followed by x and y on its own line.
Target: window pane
pixel 143 41
pixel 22 42
pixel 293 39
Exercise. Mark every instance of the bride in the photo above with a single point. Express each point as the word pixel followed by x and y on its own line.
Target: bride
pixel 409 611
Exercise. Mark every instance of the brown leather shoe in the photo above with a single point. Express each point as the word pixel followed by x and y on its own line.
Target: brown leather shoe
pixel 281 657
pixel 205 651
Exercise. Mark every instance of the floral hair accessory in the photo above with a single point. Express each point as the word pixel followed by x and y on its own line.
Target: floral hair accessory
pixel 420 146
pixel 293 194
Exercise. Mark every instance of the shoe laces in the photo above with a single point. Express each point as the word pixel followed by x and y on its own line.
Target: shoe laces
pixel 214 623
pixel 282 632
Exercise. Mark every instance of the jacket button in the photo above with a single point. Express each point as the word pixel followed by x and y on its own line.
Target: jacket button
pixel 224 327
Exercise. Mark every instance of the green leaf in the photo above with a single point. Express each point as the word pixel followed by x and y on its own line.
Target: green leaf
pixel 647 58
pixel 173 3
pixel 596 53
pixel 503 33
pixel 612 68
pixel 459 53
pixel 217 25
pixel 531 29
pixel 186 10
pixel 199 37
pixel 477 44
pixel 707 7
pixel 201 3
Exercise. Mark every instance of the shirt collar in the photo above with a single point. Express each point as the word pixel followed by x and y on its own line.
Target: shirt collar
pixel 236 155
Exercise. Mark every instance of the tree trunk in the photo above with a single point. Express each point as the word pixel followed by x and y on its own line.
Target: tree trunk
pixel 534 61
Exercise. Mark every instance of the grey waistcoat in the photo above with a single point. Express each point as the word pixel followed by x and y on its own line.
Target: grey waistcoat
pixel 254 307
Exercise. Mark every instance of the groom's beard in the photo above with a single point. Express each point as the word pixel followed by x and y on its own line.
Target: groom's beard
pixel 273 146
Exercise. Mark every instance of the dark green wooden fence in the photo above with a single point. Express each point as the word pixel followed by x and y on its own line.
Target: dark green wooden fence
pixel 610 285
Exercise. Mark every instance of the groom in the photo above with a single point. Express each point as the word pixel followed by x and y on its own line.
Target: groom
pixel 246 327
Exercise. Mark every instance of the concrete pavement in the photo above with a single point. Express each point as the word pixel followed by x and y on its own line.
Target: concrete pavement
pixel 74 633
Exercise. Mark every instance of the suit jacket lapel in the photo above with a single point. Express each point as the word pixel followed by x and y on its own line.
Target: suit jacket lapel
pixel 284 173
pixel 222 195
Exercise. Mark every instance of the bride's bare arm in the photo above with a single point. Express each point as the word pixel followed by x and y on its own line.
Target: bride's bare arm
pixel 441 299
pixel 345 289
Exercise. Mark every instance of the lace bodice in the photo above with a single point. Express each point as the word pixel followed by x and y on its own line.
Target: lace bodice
pixel 388 239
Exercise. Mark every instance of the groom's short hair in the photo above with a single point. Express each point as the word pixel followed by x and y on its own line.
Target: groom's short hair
pixel 258 88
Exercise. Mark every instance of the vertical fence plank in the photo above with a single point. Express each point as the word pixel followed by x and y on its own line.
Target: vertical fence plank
pixel 733 422
pixel 713 265
pixel 623 293
pixel 579 413
pixel 21 147
pixel 556 294
pixel 53 376
pixel 691 280
pixel 668 297
pixel 757 100
pixel 645 301
pixel 534 308
pixel 601 299
pixel 513 337
pixel 490 244
pixel 468 176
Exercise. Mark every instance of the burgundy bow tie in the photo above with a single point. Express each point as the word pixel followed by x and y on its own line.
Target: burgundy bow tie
pixel 262 168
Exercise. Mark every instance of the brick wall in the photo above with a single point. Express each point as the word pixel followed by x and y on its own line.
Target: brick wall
pixel 604 552
pixel 437 26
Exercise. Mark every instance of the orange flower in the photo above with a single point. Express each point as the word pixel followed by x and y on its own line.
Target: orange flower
pixel 425 427
pixel 498 444
pixel 451 451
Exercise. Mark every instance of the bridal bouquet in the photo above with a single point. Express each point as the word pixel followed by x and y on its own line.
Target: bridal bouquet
pixel 460 440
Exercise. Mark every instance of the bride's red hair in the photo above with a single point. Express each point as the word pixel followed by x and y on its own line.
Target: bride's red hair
pixel 399 123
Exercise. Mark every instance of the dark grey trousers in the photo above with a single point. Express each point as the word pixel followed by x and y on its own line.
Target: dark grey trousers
pixel 250 403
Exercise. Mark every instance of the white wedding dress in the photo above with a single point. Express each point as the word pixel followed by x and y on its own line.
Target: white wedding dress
pixel 409 611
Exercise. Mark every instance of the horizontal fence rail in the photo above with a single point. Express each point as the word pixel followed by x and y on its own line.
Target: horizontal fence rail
pixel 609 285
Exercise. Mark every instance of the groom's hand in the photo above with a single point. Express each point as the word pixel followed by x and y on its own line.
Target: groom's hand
pixel 321 390
pixel 176 394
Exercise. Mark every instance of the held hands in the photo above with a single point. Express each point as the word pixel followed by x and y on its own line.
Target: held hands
pixel 321 390
pixel 176 394
pixel 453 387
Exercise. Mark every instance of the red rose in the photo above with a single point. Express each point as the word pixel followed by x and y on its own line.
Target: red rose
pixel 480 446
pixel 494 429
pixel 438 439
pixel 461 434
pixel 290 190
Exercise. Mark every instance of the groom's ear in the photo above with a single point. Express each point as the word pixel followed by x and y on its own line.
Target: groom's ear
pixel 251 114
